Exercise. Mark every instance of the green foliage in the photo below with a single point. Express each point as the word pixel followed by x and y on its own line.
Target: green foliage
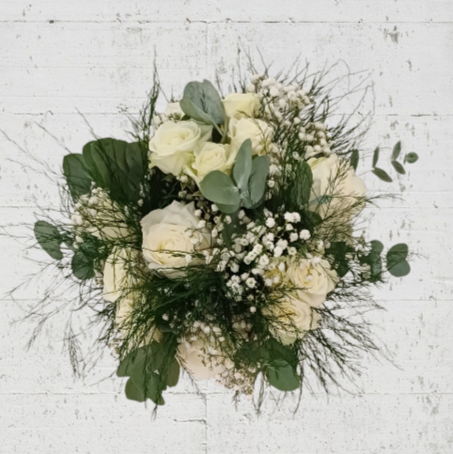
pixel 397 264
pixel 243 167
pixel 339 249
pixel 202 102
pixel 82 265
pixel 116 166
pixel 354 161
pixel 149 373
pixel 257 182
pixel 376 156
pixel 76 174
pixel 374 260
pixel 282 376
pixel 398 167
pixel 250 176
pixel 299 187
pixel 382 174
pixel 396 151
pixel 220 189
pixel 410 158
pixel 49 239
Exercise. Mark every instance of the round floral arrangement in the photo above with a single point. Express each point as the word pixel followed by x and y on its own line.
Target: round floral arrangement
pixel 223 240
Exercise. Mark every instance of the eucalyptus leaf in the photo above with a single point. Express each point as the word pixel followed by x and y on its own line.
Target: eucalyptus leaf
pixel 398 167
pixel 396 151
pixel 257 182
pixel 220 189
pixel 400 269
pixel 133 392
pixel 382 174
pixel 173 374
pixel 376 156
pixel 397 254
pixel 410 158
pixel 82 266
pixel 243 167
pixel 77 176
pixel 354 159
pixel 49 239
pixel 202 97
pixel 282 376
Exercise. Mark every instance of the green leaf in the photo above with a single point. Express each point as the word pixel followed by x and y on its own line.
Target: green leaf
pixel 299 188
pixel 228 209
pixel 354 159
pixel 374 260
pixel 133 392
pixel 220 189
pixel 398 167
pixel 375 157
pixel 397 254
pixel 278 351
pixel 377 247
pixel 49 239
pixel 338 250
pixel 400 270
pixel 396 151
pixel 173 374
pixel 202 102
pixel 116 166
pixel 382 174
pixel 257 182
pixel 282 376
pixel 243 167
pixel 77 176
pixel 82 266
pixel 410 158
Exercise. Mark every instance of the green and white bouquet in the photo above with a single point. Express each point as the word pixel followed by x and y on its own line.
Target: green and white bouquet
pixel 222 241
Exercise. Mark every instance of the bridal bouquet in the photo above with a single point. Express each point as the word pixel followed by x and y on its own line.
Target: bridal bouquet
pixel 223 242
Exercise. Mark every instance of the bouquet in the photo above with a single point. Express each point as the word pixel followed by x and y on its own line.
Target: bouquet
pixel 223 241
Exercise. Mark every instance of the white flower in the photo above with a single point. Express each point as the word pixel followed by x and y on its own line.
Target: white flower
pixel 209 157
pixel 347 188
pixel 283 244
pixel 241 105
pixel 292 251
pixel 195 357
pixel 305 234
pixel 293 237
pixel 313 281
pixel 258 131
pixel 278 251
pixel 117 275
pixel 270 222
pixel 173 108
pixel 251 282
pixel 168 235
pixel 173 145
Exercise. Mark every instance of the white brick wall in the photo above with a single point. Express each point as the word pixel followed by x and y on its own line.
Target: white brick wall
pixel 58 57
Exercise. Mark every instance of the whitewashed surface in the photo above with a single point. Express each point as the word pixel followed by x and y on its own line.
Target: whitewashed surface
pixel 60 59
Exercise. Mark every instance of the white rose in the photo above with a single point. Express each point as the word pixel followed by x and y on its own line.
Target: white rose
pixel 174 108
pixel 293 319
pixel 258 131
pixel 118 281
pixel 211 156
pixel 313 281
pixel 168 237
pixel 241 105
pixel 195 358
pixel 348 187
pixel 173 144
